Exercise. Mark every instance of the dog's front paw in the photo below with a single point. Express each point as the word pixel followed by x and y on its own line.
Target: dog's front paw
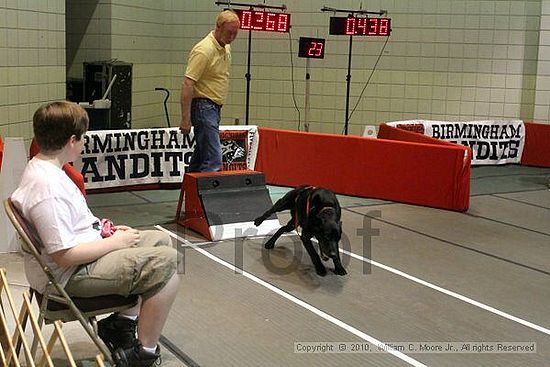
pixel 340 271
pixel 320 270
pixel 258 221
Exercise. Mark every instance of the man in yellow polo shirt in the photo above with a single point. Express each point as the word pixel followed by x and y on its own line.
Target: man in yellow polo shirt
pixel 204 91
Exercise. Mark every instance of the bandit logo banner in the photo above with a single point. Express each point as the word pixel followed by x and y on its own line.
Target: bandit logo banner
pixel 113 158
pixel 492 142
pixel 234 149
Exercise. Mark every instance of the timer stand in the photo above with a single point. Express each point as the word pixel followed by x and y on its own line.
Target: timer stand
pixel 253 20
pixel 306 99
pixel 248 77
pixel 310 48
pixel 350 26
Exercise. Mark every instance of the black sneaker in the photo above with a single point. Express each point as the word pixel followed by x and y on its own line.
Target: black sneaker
pixel 136 356
pixel 117 331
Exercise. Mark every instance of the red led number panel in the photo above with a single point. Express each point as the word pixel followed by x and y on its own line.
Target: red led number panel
pixel 367 26
pixel 353 26
pixel 264 21
pixel 313 48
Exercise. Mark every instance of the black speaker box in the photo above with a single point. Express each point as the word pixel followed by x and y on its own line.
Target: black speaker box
pixel 97 76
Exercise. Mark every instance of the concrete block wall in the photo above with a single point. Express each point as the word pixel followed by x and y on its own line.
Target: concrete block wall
pixel 542 97
pixel 32 61
pixel 88 34
pixel 130 31
pixel 445 59
pixel 140 36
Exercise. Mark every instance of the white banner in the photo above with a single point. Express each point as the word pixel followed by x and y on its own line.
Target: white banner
pixel 492 142
pixel 113 158
pixel 13 165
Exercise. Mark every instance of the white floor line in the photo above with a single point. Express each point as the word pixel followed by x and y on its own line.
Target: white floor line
pixel 434 287
pixel 450 293
pixel 298 301
pixel 439 289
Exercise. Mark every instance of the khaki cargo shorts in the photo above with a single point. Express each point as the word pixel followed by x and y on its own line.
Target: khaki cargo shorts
pixel 141 270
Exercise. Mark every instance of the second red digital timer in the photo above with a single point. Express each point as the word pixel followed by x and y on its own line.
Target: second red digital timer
pixel 356 26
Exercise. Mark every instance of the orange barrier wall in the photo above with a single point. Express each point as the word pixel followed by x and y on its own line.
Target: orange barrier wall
pixel 537 145
pixel 1 152
pixel 430 174
pixel 394 133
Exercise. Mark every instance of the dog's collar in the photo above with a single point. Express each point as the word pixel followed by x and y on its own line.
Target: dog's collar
pixel 310 190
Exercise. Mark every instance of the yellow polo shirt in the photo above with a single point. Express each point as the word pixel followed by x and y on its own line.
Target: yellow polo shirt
pixel 208 66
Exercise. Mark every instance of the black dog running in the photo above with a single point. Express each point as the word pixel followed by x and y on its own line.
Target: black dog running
pixel 318 212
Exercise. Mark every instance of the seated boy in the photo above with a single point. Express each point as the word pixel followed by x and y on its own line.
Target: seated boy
pixel 129 262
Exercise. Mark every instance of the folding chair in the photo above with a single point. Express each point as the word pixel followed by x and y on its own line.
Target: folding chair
pixel 9 351
pixel 55 303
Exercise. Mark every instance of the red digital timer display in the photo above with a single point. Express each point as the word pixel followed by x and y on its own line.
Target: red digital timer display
pixel 313 48
pixel 353 26
pixel 263 21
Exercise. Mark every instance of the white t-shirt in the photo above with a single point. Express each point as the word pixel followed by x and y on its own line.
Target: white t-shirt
pixel 53 204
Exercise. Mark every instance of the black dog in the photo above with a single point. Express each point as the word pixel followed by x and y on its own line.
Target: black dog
pixel 318 212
